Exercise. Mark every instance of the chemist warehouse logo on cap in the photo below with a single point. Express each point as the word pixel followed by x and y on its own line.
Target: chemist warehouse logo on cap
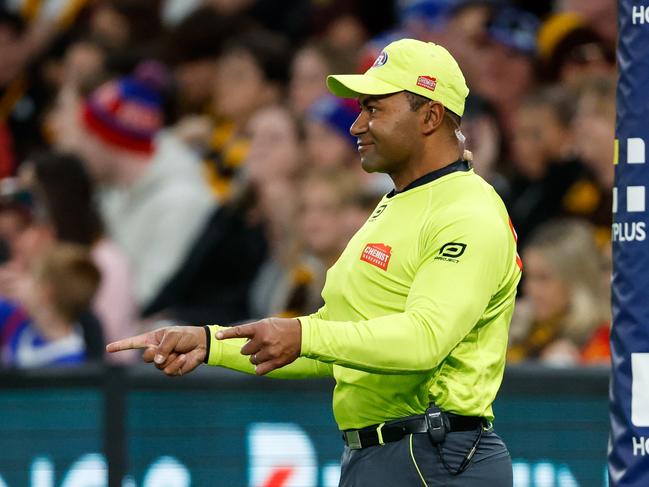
pixel 377 254
pixel 451 252
pixel 427 82
pixel 381 60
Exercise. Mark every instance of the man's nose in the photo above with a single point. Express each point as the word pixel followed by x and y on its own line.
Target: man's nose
pixel 360 124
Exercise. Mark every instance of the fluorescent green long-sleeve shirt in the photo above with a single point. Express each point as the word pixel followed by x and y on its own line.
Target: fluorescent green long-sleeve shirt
pixel 417 307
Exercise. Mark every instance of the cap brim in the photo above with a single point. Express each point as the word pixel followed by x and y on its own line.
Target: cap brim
pixel 354 85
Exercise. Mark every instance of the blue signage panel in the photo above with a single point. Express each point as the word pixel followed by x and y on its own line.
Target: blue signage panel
pixel 629 393
pixel 268 433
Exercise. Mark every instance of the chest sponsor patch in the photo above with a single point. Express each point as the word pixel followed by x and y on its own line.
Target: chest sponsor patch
pixel 377 254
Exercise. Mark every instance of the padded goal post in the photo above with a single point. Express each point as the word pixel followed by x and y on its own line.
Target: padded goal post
pixel 628 459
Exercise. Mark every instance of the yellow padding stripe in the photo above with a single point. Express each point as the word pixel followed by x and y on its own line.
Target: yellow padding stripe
pixel 380 433
pixel 412 455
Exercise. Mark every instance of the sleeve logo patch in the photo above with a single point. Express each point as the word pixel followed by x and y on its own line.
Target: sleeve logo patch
pixel 377 254
pixel 451 252
pixel 378 211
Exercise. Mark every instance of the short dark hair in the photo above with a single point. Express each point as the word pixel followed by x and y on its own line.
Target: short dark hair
pixel 68 194
pixel 270 51
pixel 201 35
pixel 417 101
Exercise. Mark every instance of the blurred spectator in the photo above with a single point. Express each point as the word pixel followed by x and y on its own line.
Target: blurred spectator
pixel 311 65
pixel 15 215
pixel 127 24
pixel 416 19
pixel 193 48
pixel 289 18
pixel 463 34
pixel 329 144
pixel 18 125
pixel 154 199
pixel 446 22
pixel 232 247
pixel 70 210
pixel 597 13
pixel 571 52
pixel 564 317
pixel 419 17
pixel 308 78
pixel 325 196
pixel 84 64
pixel 252 73
pixel 543 155
pixel 273 164
pixel 276 145
pixel 31 34
pixel 594 128
pixel 345 25
pixel 212 284
pixel 290 282
pixel 45 331
pixel 485 139
pixel 283 273
pixel 507 60
pixel 82 69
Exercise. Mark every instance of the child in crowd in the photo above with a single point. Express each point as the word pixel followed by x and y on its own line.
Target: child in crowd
pixel 43 330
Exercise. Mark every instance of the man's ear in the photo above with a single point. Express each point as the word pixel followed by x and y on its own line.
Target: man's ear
pixel 432 117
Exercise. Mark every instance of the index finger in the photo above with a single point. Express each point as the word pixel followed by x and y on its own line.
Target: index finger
pixel 240 331
pixel 131 343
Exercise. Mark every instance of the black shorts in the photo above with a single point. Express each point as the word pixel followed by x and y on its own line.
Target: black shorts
pixel 415 462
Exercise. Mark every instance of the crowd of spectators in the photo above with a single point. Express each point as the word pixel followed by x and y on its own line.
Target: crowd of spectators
pixel 182 160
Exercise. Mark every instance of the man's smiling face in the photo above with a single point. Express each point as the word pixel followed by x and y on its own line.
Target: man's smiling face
pixel 386 131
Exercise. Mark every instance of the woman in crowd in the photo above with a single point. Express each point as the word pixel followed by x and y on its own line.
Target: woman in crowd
pixel 564 317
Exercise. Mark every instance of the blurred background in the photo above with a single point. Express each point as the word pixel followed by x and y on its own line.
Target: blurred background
pixel 181 160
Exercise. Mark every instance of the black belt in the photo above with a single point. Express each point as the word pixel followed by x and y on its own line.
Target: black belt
pixel 380 434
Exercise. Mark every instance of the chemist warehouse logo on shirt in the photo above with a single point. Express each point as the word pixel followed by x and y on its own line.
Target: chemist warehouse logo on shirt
pixel 377 254
pixel 451 252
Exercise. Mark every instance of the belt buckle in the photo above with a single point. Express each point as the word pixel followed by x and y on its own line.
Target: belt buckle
pixel 353 440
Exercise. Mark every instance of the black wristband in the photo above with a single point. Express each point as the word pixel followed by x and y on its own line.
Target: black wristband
pixel 208 337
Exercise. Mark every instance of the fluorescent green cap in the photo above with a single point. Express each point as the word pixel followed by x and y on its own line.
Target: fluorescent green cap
pixel 424 68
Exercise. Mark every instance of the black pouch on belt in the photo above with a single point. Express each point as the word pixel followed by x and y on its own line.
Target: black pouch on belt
pixel 438 424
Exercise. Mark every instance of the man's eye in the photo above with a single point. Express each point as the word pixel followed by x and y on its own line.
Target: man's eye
pixel 371 109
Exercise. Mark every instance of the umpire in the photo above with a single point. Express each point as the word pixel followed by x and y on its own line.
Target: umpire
pixel 417 307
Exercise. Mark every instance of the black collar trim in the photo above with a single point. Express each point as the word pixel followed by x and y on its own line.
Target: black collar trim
pixel 459 165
